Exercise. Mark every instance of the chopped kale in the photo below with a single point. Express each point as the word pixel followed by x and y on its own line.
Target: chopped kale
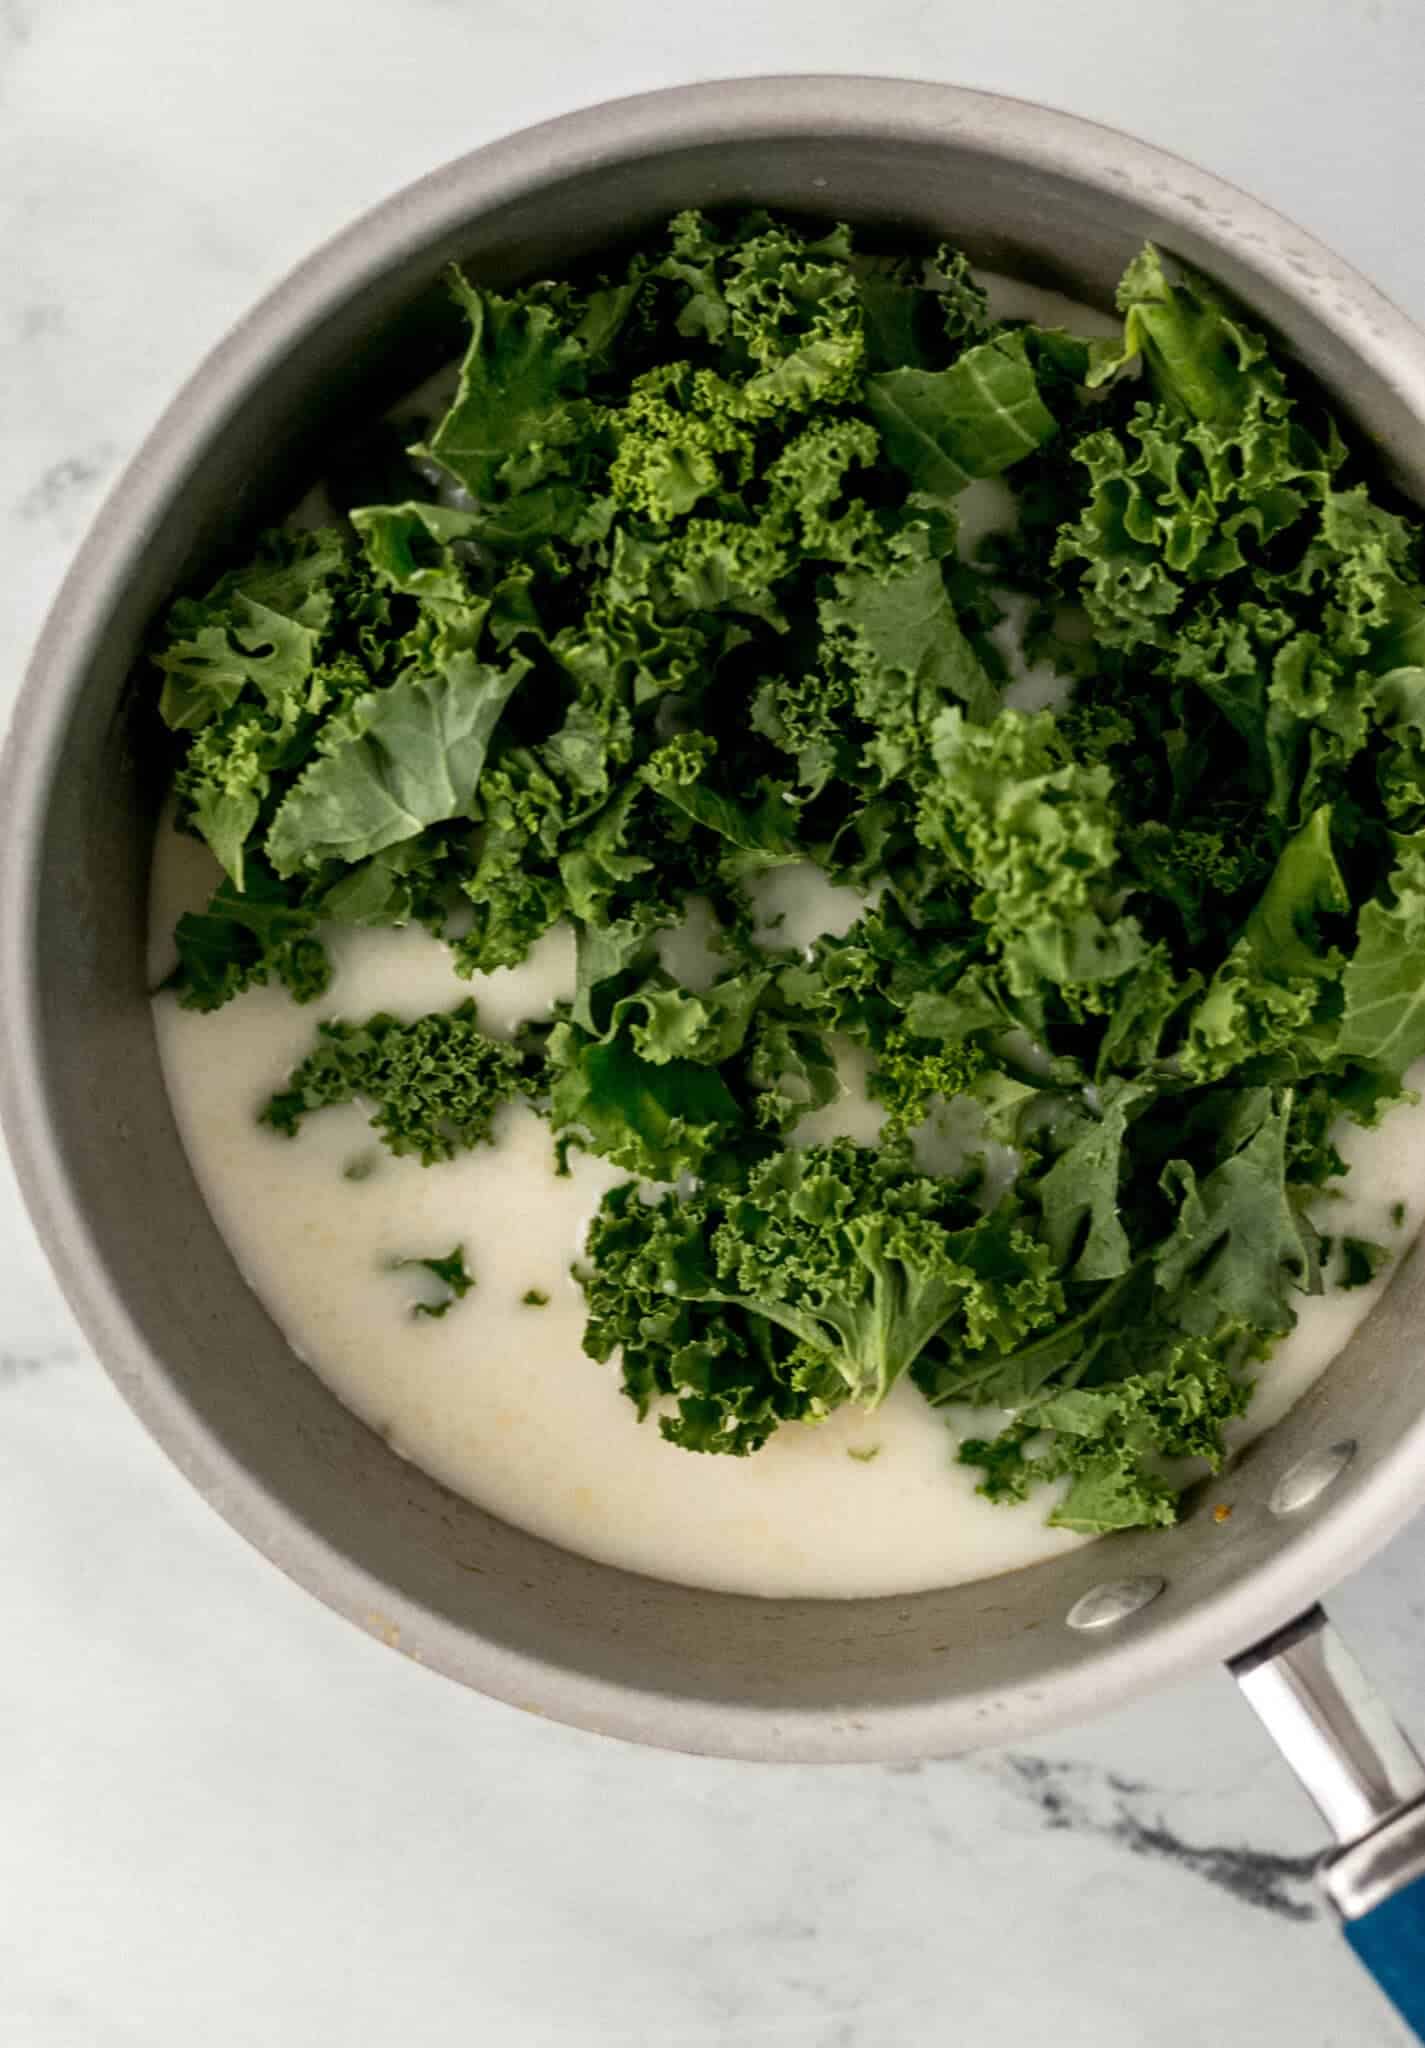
pixel 694 608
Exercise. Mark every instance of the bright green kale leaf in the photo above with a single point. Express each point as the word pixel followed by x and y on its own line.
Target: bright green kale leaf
pixel 1239 1250
pixel 912 1073
pixel 976 418
pixel 255 632
pixel 661 1079
pixel 1036 833
pixel 668 1023
pixel 1200 360
pixel 680 440
pixel 395 762
pixel 1384 981
pixel 657 1117
pixel 1283 932
pixel 896 634
pixel 1198 480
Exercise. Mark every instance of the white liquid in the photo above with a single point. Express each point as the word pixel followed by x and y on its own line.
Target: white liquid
pixel 498 1399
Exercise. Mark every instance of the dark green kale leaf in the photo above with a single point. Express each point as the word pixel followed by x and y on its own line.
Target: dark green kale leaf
pixel 852 1255
pixel 1113 1443
pixel 731 1378
pixel 663 1080
pixel 432 1086
pixel 1276 994
pixel 1238 1251
pixel 451 1273
pixel 1361 1260
pixel 245 938
pixel 895 632
pixel 1081 1193
pixel 758 835
pixel 517 410
pixel 252 669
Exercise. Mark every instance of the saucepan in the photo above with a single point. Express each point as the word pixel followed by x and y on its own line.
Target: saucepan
pixel 1058 202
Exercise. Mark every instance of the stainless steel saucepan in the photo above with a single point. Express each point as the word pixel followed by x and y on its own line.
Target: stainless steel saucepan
pixel 1036 194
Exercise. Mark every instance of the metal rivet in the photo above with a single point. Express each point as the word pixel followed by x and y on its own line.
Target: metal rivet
pixel 1310 1476
pixel 1113 1601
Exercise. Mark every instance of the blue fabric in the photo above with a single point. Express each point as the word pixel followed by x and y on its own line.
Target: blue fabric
pixel 1391 1943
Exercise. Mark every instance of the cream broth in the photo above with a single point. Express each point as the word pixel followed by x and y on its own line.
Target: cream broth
pixel 497 1398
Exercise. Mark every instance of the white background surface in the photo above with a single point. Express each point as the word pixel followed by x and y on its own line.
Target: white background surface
pixel 226 1817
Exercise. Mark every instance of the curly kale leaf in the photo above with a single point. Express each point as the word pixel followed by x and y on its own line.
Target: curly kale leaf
pixel 453 1276
pixel 1202 475
pixel 255 633
pixel 975 418
pixel 663 1080
pixel 895 632
pixel 432 1086
pixel 253 669
pixel 849 1253
pixel 246 938
pixel 731 1378
pixel 1277 992
pixel 1036 832
pixel 1112 1443
pixel 659 1118
pixel 1209 1236
pixel 1383 984
pixel 653 471
pixel 696 604
pixel 393 763
pixel 517 410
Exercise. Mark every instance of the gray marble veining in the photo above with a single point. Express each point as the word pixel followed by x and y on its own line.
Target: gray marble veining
pixel 228 1817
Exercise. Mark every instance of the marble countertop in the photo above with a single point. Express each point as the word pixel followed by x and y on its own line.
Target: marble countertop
pixel 230 1818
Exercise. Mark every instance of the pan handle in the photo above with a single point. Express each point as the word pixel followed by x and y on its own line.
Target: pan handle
pixel 1368 1782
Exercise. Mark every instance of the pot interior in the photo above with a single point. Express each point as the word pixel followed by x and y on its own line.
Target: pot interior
pixel 194 1349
